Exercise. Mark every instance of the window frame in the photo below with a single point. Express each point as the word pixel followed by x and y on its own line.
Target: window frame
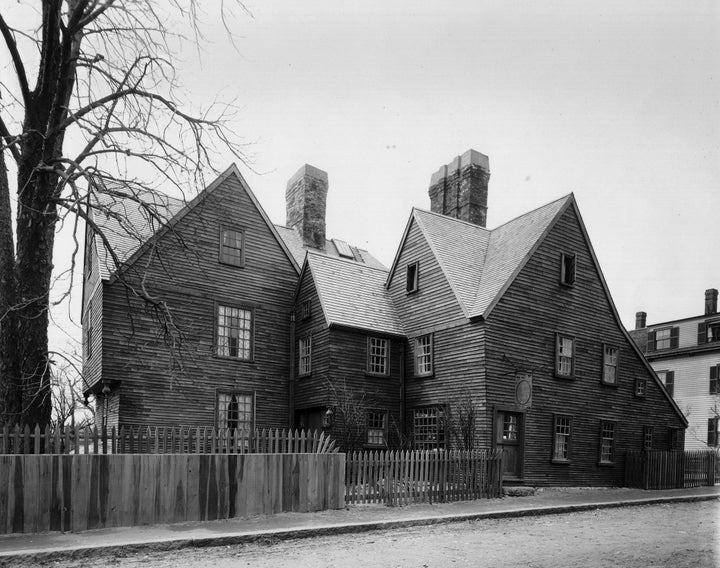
pixel 412 277
pixel 613 442
pixel 370 355
pixel 558 346
pixel 305 358
pixel 640 387
pixel 430 355
pixel 675 434
pixel 228 260
pixel 251 347
pixel 89 330
pixel 370 426
pixel 567 437
pixel 714 383
pixel 648 435
pixel 568 269
pixel 437 413
pixel 673 338
pixel 306 309
pixel 713 436
pixel 667 378
pixel 606 365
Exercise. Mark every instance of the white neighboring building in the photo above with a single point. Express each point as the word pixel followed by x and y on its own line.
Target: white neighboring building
pixel 685 354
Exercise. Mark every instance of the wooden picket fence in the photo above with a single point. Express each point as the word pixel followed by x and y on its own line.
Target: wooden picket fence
pixel 161 440
pixel 404 477
pixel 655 469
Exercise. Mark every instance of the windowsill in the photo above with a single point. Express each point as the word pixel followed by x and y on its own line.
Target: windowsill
pixel 230 358
pixel 606 464
pixel 613 385
pixel 370 375
pixel 564 377
pixel 410 292
pixel 566 285
pixel 639 395
pixel 231 264
pixel 560 462
pixel 375 446
pixel 428 376
pixel 304 376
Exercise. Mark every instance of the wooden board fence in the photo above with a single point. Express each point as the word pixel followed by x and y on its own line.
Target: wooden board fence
pixel 404 477
pixel 656 469
pixel 78 492
pixel 160 440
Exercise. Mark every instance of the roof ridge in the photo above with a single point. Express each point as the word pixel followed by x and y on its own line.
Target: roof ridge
pixel 564 197
pixel 454 219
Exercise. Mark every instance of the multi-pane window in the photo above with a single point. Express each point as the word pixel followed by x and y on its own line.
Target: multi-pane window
pixel 562 432
pixel 564 355
pixel 712 437
pixel 640 387
pixel 376 428
pixel 715 379
pixel 648 437
pixel 89 330
pixel 676 438
pixel 610 365
pixel 666 338
pixel 668 379
pixel 567 269
pixel 412 273
pixel 377 362
pixel 305 355
pixel 607 442
pixel 510 427
pixel 424 355
pixel 429 427
pixel 234 332
pixel 235 411
pixel 305 310
pixel 232 247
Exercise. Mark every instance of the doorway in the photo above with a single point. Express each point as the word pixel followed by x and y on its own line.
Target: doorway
pixel 509 438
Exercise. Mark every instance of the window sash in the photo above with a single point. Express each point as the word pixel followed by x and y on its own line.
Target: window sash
pixel 234 332
pixel 561 440
pixel 640 387
pixel 377 363
pixel 231 247
pixel 376 428
pixel 567 269
pixel 607 442
pixel 565 347
pixel 610 365
pixel 428 427
pixel 305 355
pixel 235 411
pixel 712 437
pixel 411 277
pixel 424 355
pixel 648 437
pixel 715 379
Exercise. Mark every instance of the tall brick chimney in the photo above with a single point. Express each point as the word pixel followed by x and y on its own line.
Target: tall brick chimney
pixel 711 298
pixel 460 189
pixel 305 199
pixel 640 320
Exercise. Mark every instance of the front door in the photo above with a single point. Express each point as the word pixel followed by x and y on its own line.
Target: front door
pixel 509 437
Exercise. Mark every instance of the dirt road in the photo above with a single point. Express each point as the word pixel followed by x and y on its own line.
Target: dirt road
pixel 677 536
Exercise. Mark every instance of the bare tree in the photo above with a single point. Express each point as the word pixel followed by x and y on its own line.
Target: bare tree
pixel 90 116
pixel 461 421
pixel 350 406
pixel 69 407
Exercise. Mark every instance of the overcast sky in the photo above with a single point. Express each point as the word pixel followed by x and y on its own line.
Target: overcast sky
pixel 618 102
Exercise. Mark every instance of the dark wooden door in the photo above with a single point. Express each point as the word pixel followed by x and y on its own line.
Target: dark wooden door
pixel 508 437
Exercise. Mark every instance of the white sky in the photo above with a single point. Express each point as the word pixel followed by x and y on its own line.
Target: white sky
pixel 618 102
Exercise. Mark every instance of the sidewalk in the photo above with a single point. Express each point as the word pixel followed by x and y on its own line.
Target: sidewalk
pixel 355 518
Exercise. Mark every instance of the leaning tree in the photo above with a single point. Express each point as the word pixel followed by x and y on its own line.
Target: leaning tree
pixel 88 103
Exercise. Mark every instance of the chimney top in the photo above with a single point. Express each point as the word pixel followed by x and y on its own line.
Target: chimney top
pixel 305 200
pixel 471 157
pixel 640 320
pixel 711 298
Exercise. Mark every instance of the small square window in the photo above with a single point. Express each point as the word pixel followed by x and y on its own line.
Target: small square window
pixel 305 355
pixel 648 437
pixel 610 365
pixel 562 435
pixel 567 269
pixel 564 356
pixel 232 247
pixel 377 428
pixel 377 356
pixel 640 387
pixel 607 442
pixel 424 355
pixel 412 277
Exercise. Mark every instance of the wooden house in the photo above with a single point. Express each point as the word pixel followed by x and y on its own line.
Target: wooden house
pixel 685 354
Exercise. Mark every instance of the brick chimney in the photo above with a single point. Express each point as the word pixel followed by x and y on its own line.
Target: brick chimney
pixel 305 199
pixel 711 297
pixel 460 189
pixel 640 320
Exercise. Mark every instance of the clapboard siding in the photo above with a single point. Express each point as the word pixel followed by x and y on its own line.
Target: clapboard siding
pixel 521 337
pixel 434 302
pixel 92 359
pixel 183 270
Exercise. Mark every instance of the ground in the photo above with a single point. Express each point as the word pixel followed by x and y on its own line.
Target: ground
pixel 668 535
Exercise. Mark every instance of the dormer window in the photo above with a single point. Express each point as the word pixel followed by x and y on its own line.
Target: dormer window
pixel 567 269
pixel 708 331
pixel 411 277
pixel 665 338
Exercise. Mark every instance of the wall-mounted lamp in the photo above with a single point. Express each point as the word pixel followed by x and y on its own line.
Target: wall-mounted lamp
pixel 327 418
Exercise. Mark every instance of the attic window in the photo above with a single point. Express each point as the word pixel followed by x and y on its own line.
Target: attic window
pixel 567 269
pixel 232 246
pixel 412 273
pixel 343 248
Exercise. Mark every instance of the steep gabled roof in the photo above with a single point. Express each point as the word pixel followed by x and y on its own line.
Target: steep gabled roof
pixel 479 264
pixel 353 294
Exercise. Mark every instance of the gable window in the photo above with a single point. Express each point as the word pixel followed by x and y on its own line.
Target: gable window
pixel 610 365
pixel 412 273
pixel 234 332
pixel 713 436
pixel 567 269
pixel 424 355
pixel 232 246
pixel 562 434
pixel 647 437
pixel 668 379
pixel 377 428
pixel 640 387
pixel 607 442
pixel 715 379
pixel 305 355
pixel 429 427
pixel 89 330
pixel 666 338
pixel 377 360
pixel 305 310
pixel 564 355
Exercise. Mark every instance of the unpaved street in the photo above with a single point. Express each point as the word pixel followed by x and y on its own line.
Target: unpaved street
pixel 677 536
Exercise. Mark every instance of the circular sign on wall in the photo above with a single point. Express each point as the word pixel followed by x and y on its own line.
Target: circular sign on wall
pixel 523 389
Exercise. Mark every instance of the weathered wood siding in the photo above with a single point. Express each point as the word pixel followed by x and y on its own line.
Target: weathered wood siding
pixel 521 337
pixel 158 388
